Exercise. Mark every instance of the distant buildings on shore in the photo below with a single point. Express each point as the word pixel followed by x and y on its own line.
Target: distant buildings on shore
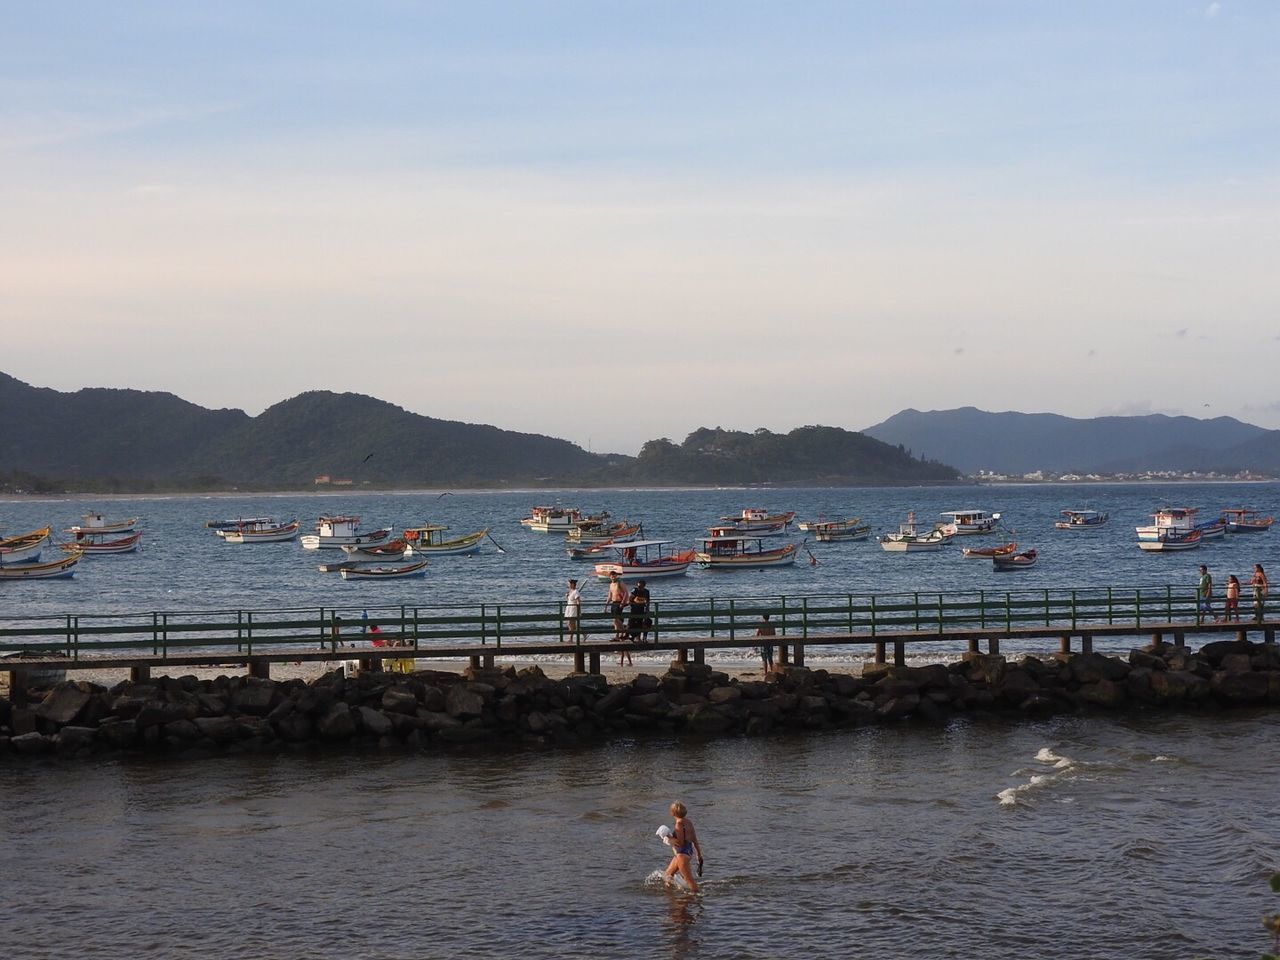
pixel 1049 476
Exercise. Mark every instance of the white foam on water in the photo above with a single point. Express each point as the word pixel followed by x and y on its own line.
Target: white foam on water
pixel 1163 759
pixel 1036 782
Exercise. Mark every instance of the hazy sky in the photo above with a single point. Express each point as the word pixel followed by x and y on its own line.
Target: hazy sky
pixel 616 221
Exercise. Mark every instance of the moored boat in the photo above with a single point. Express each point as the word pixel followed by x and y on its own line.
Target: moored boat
pixel 24 548
pixel 1169 520
pixel 429 540
pixel 644 559
pixel 552 519
pixel 97 523
pixel 52 570
pixel 742 553
pixel 417 569
pixel 261 530
pixel 909 539
pixel 986 553
pixel 333 533
pixel 238 522
pixel 1187 540
pixel 1014 561
pixel 1246 521
pixel 391 550
pixel 969 522
pixel 778 529
pixel 95 544
pixel 1081 520
pixel 605 532
pixel 838 531
pixel 753 520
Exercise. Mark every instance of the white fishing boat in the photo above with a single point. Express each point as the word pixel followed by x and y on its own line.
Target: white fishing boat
pixel 97 523
pixel 553 519
pixel 645 559
pixel 778 529
pixel 333 533
pixel 909 539
pixel 1081 520
pixel 429 540
pixel 1167 541
pixel 216 525
pixel 261 530
pixel 417 569
pixel 1240 521
pixel 52 570
pixel 24 548
pixel 1177 521
pixel 589 534
pixel 969 522
pixel 742 553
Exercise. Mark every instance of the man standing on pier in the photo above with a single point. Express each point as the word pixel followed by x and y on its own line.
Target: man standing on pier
pixel 1204 591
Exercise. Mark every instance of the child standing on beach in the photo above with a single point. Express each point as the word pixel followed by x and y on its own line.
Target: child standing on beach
pixel 684 842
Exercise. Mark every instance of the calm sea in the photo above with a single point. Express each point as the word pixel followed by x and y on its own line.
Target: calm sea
pixel 1147 836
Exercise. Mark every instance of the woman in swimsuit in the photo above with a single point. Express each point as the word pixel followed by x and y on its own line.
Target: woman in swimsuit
pixel 684 842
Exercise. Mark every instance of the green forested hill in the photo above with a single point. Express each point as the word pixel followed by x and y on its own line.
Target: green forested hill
pixel 133 440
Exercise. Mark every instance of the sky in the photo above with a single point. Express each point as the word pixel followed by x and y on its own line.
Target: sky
pixel 617 221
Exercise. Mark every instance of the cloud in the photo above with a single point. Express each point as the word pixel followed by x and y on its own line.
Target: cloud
pixel 1212 10
pixel 1092 353
pixel 1182 333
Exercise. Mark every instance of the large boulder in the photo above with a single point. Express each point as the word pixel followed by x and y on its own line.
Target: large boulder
pixel 218 729
pixel 399 699
pixel 31 744
pixel 1103 693
pixel 256 699
pixel 337 722
pixel 64 703
pixel 464 703
pixel 374 722
pixel 1239 688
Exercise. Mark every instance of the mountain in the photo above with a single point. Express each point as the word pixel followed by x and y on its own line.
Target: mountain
pixel 821 455
pixel 131 440
pixel 1017 443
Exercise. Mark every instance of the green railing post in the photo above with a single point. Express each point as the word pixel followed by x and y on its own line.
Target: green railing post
pixel 804 618
pixel 733 620
pixel 849 612
pixel 982 609
pixel 939 613
pixel 1008 612
pixel 1168 603
pixel 249 633
pixel 1111 609
pixel 917 603
pixel 240 630
pixel 71 652
pixel 320 627
pixel 873 614
pixel 656 621
pixel 484 623
pixel 1073 609
pixel 155 633
pixel 783 602
pixel 713 617
pixel 497 626
pixel 164 636
pixel 1047 617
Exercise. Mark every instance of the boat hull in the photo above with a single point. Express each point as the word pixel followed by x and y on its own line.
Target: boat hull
pixel 643 571
pixel 55 570
pixel 911 546
pixel 92 547
pixel 281 534
pixel 25 548
pixel 747 561
pixel 314 541
pixel 418 569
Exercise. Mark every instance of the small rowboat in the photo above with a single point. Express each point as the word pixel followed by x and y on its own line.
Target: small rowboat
pixel 838 531
pixel 1014 561
pixel 1172 541
pixel 1238 521
pixel 418 569
pixel 56 569
pixel 985 553
pixel 337 566
pixel 1081 520
pixel 643 559
pixel 261 531
pixel 429 540
pixel 755 521
pixel 93 544
pixel 24 548
pixel 97 523
pixel 742 553
pixel 391 550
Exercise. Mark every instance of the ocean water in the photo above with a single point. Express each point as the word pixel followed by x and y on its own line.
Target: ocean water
pixel 1076 837
pixel 184 567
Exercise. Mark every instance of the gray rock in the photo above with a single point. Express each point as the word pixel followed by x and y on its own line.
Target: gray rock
pixel 724 694
pixel 254 700
pixel 1138 658
pixel 437 721
pixel 31 744
pixel 1236 663
pixel 899 706
pixel 22 720
pixel 72 737
pixel 337 722
pixel 399 699
pixel 294 728
pixel 183 730
pixel 612 702
pixel 1238 688
pixel 64 703
pixel 462 703
pixel 218 729
pixel 118 733
pixel 433 700
pixel 707 719
pixel 1103 693
pixel 375 722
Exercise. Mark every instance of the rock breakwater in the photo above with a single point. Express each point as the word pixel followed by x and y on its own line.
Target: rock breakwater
pixel 185 716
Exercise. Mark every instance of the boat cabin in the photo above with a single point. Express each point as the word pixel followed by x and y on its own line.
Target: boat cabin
pixel 338 526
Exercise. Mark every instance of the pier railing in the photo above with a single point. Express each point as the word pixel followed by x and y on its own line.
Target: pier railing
pixel 918 616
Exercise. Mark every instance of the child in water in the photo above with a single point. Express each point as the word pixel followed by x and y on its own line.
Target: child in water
pixel 684 842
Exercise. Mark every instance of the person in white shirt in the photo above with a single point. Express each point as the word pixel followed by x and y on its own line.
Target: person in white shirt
pixel 573 612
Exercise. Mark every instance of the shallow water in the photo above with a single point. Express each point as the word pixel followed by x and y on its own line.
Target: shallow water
pixel 1073 837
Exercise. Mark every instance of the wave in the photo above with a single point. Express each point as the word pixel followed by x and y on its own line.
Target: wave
pixel 1059 768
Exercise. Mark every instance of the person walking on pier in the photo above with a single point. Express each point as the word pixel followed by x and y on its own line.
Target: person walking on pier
pixel 636 628
pixel 1204 592
pixel 684 842
pixel 616 600
pixel 766 631
pixel 1232 603
pixel 1260 587
pixel 573 612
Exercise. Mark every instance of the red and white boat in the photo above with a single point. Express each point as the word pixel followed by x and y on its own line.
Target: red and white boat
pixel 987 553
pixel 1014 561
pixel 335 532
pixel 742 553
pixel 644 559
pixel 24 548
pixel 553 519
pixel 1187 540
pixel 261 530
pixel 95 544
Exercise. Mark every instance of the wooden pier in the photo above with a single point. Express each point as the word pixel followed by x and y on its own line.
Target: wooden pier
pixel 887 624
